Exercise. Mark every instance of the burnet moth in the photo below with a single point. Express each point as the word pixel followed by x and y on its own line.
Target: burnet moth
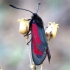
pixel 39 45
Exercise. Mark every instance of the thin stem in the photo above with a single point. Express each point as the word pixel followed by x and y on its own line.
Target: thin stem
pixel 41 66
pixel 32 66
pixel 28 50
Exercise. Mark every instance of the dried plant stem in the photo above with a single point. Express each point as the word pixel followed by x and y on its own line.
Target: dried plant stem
pixel 28 49
pixel 32 66
pixel 41 66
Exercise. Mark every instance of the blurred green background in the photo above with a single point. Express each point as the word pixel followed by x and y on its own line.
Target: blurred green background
pixel 13 48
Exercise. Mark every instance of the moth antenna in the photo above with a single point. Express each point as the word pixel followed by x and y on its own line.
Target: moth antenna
pixel 38 7
pixel 20 8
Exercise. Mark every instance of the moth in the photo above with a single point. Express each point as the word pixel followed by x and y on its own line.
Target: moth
pixel 39 45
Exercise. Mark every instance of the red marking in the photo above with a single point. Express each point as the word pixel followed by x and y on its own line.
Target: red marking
pixel 35 39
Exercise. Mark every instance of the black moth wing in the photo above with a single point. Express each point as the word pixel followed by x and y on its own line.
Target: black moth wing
pixel 39 44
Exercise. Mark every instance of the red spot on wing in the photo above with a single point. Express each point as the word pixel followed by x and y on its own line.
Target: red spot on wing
pixel 35 39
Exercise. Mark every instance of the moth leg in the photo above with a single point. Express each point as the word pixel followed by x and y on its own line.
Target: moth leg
pixel 27 19
pixel 29 42
pixel 27 34
pixel 50 36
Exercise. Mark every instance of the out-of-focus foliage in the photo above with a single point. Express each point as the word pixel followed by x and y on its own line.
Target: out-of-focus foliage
pixel 13 48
